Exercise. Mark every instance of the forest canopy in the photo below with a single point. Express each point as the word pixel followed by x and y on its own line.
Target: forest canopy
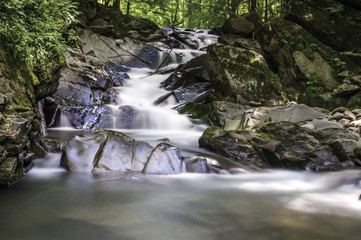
pixel 196 13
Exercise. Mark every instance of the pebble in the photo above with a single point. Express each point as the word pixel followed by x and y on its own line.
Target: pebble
pixel 349 115
pixel 337 116
pixel 356 123
pixel 344 121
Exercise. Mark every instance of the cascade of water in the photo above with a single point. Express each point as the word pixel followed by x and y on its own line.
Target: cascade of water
pixel 64 121
pixel 143 88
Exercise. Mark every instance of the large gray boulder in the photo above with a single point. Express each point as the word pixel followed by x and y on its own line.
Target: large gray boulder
pixel 104 150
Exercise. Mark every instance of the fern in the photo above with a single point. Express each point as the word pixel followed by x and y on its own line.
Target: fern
pixel 35 31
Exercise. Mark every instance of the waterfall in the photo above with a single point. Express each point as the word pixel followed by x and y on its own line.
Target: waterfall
pixel 142 89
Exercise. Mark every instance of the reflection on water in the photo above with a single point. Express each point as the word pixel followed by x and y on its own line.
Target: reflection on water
pixel 54 204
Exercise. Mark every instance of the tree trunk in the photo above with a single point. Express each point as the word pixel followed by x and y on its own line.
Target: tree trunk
pixel 116 4
pixel 253 5
pixel 128 8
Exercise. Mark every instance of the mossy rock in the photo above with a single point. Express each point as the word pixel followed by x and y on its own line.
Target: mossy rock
pixel 335 23
pixel 10 171
pixel 126 25
pixel 238 72
pixel 196 111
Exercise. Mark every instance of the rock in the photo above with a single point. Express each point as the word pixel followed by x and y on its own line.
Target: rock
pixel 224 143
pixel 354 101
pixel 356 123
pixel 324 124
pixel 38 150
pixel 343 74
pixel 165 158
pixel 82 152
pixel 357 113
pixel 53 145
pixel 336 116
pixel 344 149
pixel 232 125
pixel 117 154
pixel 235 71
pixel 254 117
pixel 146 30
pixel 349 115
pixel 287 145
pixel 238 25
pixel 196 165
pixel 295 113
pixel 10 171
pixel 317 68
pixel 220 111
pixel 186 38
pixel 344 122
pixel 346 89
pixel 296 53
pixel 188 74
pixel 125 118
pixel 105 30
pixel 241 42
pixel 104 150
pixel 332 22
pixel 89 117
pixel 20 127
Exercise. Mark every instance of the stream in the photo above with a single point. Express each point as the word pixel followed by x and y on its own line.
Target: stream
pixel 51 203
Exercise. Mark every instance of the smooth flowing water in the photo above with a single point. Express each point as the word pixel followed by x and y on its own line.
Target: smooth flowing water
pixel 51 203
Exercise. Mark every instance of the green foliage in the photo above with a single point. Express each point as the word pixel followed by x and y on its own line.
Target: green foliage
pixel 334 9
pixel 196 13
pixel 35 32
pixel 314 88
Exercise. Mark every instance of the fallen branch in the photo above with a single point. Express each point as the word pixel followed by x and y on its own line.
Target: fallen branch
pixel 164 59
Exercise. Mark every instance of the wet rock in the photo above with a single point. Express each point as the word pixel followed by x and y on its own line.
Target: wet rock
pixel 116 154
pixel 287 145
pixel 104 150
pixel 185 37
pixel 38 150
pixel 89 117
pixel 165 158
pixel 126 117
pixel 188 74
pixel 231 144
pixel 196 165
pixel 53 145
pixel 82 152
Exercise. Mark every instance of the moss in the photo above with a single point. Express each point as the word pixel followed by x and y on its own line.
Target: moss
pixel 8 171
pixel 196 111
pixel 22 103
